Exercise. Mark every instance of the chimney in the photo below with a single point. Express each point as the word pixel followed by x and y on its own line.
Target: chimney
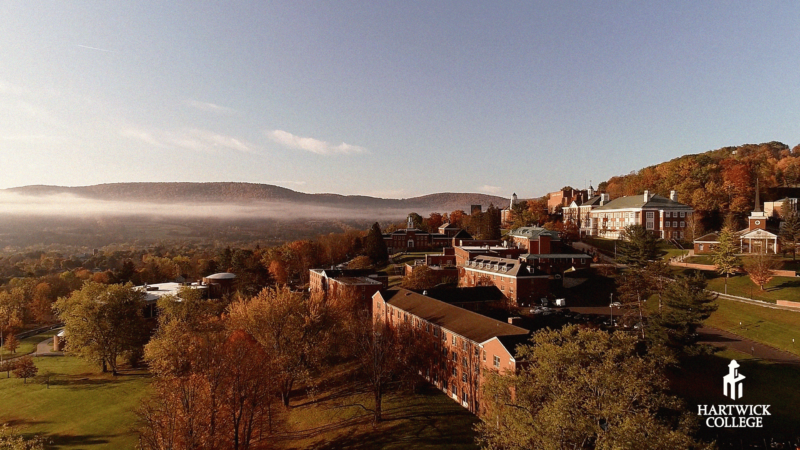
pixel 673 195
pixel 646 196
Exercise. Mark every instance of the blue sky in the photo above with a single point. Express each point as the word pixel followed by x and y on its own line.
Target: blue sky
pixel 393 99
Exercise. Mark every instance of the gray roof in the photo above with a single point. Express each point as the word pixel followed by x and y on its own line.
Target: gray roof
pixel 468 324
pixel 637 201
pixel 592 201
pixel 504 266
pixel 534 232
pixel 221 276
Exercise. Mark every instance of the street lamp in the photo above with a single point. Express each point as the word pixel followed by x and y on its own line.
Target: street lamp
pixel 611 307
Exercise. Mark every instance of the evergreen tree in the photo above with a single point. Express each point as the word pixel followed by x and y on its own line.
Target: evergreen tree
pixel 637 246
pixel 374 246
pixel 790 228
pixel 686 305
pixel 724 256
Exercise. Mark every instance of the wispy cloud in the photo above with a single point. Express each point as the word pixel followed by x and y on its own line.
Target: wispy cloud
pixel 210 107
pixel 95 48
pixel 490 189
pixel 191 139
pixel 314 145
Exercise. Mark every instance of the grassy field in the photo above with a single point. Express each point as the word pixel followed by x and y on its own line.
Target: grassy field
pixel 331 419
pixel 773 327
pixel 82 409
pixel 28 345
pixel 779 288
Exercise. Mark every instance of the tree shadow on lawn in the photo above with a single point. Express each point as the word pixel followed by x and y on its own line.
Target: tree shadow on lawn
pixel 80 441
pixel 420 431
pixel 785 284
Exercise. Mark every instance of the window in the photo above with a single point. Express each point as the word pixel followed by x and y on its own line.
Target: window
pixel 435 331
pixel 454 339
pixel 455 390
pixel 701 247
pixel 683 224
pixel 455 372
pixel 484 355
pixel 650 224
pixel 649 214
pixel 496 361
pixel 683 213
pixel 464 345
pixel 455 356
pixel 464 396
pixel 668 214
pixel 464 361
pixel 428 327
pixel 464 377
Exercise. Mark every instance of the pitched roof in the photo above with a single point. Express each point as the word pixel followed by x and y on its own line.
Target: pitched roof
pixel 637 201
pixel 468 324
pixel 534 233
pixel 710 237
pixel 463 234
pixel 504 266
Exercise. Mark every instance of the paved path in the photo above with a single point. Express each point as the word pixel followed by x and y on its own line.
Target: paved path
pixel 721 338
pixel 45 348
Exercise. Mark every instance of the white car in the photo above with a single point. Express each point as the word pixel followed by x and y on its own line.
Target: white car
pixel 615 305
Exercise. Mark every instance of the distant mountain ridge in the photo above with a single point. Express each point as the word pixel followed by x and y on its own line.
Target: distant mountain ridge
pixel 236 192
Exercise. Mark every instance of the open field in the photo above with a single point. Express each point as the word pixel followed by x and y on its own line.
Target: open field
pixel 773 327
pixel 82 409
pixel 28 345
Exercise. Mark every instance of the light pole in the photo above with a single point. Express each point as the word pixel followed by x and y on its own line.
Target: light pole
pixel 611 307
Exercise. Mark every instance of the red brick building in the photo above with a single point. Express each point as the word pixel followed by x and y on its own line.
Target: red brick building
pixel 412 239
pixel 665 217
pixel 356 284
pixel 466 345
pixel 518 281
pixel 536 240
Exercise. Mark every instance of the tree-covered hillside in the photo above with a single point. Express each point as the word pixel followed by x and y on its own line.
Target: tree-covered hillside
pixel 716 181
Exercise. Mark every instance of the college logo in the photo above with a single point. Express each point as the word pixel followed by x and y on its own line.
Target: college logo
pixel 733 416
pixel 733 382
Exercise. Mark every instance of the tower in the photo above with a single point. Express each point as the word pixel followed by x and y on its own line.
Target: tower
pixel 410 224
pixel 513 201
pixel 757 219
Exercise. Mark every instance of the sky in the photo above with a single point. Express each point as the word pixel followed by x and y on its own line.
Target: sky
pixel 390 99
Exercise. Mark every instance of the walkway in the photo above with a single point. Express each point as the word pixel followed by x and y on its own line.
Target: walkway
pixel 45 348
pixel 721 338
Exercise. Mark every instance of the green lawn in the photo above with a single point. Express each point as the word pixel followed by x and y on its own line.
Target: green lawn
pixel 773 327
pixel 779 288
pixel 82 409
pixel 28 345
pixel 702 259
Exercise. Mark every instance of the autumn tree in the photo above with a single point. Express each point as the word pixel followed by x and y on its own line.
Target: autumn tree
pixel 760 268
pixel 7 366
pixel 25 368
pixel 421 277
pixel 383 353
pixel 11 439
pixel 293 328
pixel 104 322
pixel 11 311
pixel 637 246
pixel 724 255
pixel 360 262
pixel 790 228
pixel 686 305
pixel 571 394
pixel 11 344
